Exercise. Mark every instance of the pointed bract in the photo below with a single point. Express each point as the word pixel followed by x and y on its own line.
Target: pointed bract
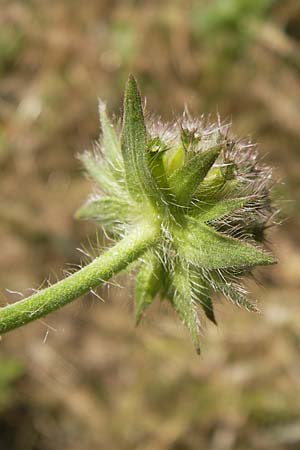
pixel 157 168
pixel 231 290
pixel 185 180
pixel 133 144
pixel 216 211
pixel 208 308
pixel 110 143
pixel 183 303
pixel 109 211
pixel 202 296
pixel 100 172
pixel 148 283
pixel 205 247
pixel 217 179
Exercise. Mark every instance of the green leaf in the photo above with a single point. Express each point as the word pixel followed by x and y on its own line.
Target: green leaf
pixel 223 208
pixel 185 180
pixel 147 284
pixel 109 211
pixel 134 146
pixel 205 247
pixel 110 144
pixel 183 303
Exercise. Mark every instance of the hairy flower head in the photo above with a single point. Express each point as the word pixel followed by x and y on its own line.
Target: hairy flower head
pixel 206 191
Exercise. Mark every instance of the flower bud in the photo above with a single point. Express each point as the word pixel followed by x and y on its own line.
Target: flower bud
pixel 208 192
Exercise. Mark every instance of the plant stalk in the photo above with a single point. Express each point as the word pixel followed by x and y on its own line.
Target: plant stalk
pixel 94 274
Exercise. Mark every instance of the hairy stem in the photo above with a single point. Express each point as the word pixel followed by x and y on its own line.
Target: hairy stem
pixel 94 274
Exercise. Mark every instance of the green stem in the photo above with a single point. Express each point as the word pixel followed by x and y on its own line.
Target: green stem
pixel 94 274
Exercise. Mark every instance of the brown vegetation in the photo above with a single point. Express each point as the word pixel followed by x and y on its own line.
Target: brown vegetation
pixel 85 378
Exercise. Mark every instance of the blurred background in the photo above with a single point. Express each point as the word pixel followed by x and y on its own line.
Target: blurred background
pixel 85 377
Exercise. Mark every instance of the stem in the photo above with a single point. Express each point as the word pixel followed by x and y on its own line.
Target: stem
pixel 94 274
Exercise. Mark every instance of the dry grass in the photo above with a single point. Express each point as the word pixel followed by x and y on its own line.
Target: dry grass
pixel 89 379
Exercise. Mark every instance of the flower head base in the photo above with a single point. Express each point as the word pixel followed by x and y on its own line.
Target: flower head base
pixel 205 191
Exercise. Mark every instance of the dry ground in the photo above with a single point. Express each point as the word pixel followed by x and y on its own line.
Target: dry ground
pixel 85 378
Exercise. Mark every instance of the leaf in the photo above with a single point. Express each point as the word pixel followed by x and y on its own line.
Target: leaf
pixel 147 284
pixel 134 146
pixel 109 211
pixel 110 144
pixel 222 208
pixel 183 303
pixel 205 247
pixel 185 180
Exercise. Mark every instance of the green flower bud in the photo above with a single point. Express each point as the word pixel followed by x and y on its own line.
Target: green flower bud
pixel 209 195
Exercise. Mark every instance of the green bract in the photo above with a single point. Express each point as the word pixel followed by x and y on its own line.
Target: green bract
pixel 208 194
